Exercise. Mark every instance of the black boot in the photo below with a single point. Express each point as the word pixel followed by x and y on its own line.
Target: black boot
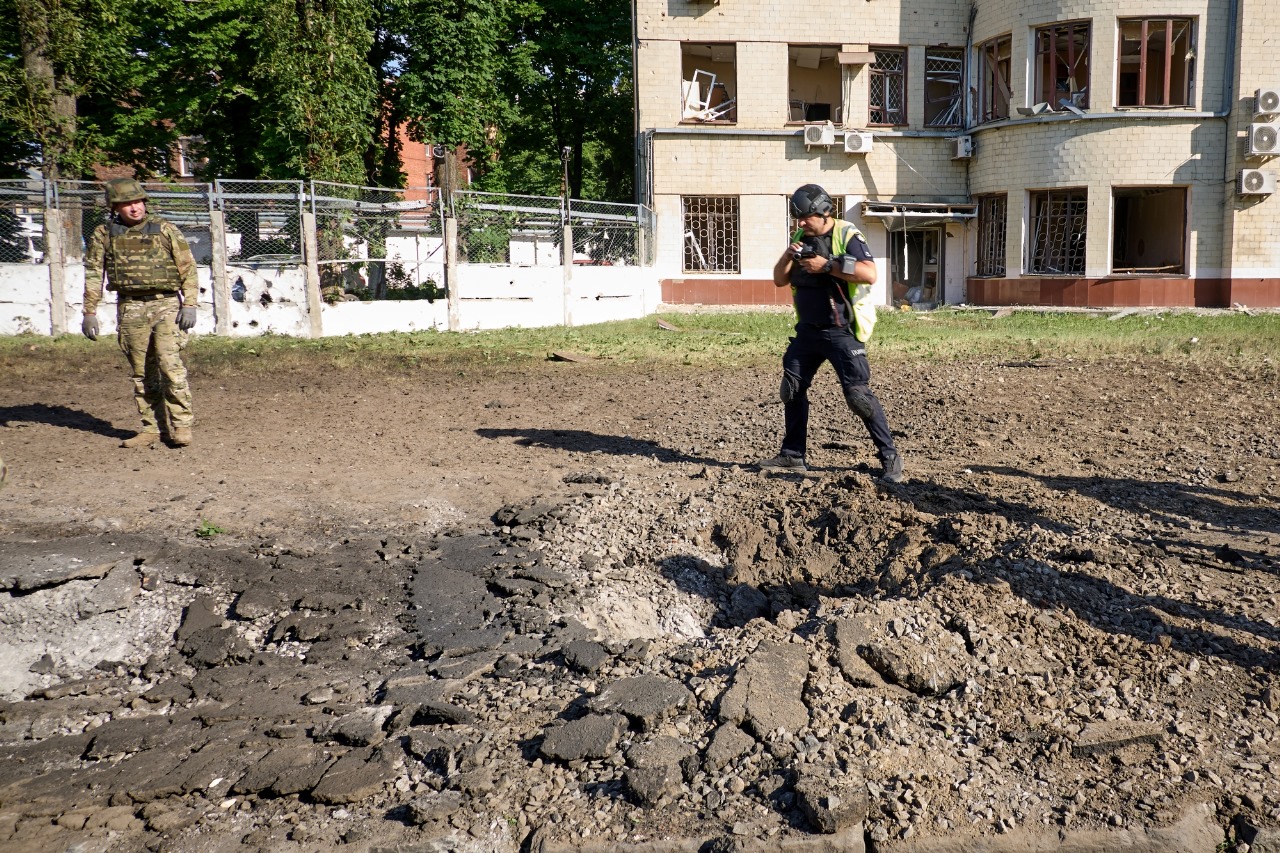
pixel 892 463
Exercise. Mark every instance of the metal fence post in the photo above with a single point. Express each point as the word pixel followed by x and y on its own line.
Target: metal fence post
pixel 311 252
pixel 451 273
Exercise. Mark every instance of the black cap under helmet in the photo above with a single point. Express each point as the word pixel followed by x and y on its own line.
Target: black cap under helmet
pixel 811 200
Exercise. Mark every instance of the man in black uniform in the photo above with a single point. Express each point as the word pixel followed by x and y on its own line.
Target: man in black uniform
pixel 830 270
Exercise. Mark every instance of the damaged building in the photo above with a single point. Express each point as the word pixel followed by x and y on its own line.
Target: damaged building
pixel 1057 153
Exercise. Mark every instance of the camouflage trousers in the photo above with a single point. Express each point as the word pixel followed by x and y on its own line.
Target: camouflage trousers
pixel 150 338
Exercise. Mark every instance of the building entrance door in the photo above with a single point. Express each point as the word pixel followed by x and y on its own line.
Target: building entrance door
pixel 915 266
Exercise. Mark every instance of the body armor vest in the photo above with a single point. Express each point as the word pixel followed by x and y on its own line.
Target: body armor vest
pixel 139 259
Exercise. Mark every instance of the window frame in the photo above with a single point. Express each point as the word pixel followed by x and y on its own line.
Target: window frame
pixel 1189 70
pixel 989 223
pixel 1119 191
pixel 992 73
pixel 690 251
pixel 957 110
pixel 837 107
pixel 728 89
pixel 900 75
pixel 1077 198
pixel 1044 51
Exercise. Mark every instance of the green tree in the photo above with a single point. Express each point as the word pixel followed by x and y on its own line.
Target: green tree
pixel 572 69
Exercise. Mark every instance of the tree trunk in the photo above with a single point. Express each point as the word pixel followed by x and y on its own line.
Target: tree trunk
pixel 54 107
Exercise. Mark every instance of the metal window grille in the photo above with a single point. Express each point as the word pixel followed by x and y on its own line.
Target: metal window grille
pixel 992 223
pixel 1058 232
pixel 993 73
pixel 1062 64
pixel 22 206
pixel 1157 62
pixel 837 210
pixel 888 87
pixel 943 84
pixel 711 229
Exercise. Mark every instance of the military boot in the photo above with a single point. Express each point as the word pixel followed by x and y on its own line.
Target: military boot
pixel 180 436
pixel 142 439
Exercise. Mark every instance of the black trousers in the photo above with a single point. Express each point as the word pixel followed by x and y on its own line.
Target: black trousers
pixel 811 346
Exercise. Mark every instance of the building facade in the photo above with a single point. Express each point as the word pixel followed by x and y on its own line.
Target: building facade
pixel 1052 152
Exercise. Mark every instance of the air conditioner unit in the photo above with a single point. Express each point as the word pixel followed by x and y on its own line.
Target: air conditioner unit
pixel 857 142
pixel 1256 182
pixel 1264 139
pixel 963 147
pixel 820 134
pixel 1266 101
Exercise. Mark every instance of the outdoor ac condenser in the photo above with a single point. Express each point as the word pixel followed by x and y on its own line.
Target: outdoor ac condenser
pixel 820 134
pixel 963 147
pixel 1256 182
pixel 1266 101
pixel 1264 139
pixel 857 142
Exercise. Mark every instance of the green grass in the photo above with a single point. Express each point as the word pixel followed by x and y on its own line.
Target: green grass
pixel 727 340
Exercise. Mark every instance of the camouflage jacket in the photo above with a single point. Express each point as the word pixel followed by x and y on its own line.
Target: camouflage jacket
pixel 148 257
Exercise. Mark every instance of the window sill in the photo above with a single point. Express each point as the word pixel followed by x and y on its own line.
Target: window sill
pixel 714 123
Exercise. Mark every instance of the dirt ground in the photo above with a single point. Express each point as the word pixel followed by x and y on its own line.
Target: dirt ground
pixel 1065 619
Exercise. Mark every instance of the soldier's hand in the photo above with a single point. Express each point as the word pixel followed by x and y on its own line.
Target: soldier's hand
pixel 90 326
pixel 187 318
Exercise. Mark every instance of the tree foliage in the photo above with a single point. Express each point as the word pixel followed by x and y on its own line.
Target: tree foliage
pixel 316 88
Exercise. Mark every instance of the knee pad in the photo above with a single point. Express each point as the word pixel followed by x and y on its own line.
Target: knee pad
pixel 859 399
pixel 790 388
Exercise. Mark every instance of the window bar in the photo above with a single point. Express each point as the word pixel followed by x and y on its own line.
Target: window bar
pixel 1168 59
pixel 1142 65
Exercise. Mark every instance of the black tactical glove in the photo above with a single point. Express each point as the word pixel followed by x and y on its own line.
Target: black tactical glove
pixel 89 325
pixel 187 318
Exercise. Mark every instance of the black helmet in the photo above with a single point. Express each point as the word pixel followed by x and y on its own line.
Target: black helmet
pixel 811 200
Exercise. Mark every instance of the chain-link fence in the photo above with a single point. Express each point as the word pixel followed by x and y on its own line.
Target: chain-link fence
pixel 499 228
pixel 495 228
pixel 378 243
pixel 263 221
pixel 610 234
pixel 373 242
pixel 22 206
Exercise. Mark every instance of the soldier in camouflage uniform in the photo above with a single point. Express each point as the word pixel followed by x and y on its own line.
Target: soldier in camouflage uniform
pixel 147 261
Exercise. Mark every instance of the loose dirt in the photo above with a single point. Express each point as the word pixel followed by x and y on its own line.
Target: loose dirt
pixel 420 600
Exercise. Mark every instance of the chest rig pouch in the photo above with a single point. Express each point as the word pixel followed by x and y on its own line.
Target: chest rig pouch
pixel 139 259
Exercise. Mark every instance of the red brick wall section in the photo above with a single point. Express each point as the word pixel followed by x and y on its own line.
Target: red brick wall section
pixel 1126 292
pixel 723 291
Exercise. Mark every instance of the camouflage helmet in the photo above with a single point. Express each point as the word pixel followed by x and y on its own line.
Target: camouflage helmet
pixel 124 190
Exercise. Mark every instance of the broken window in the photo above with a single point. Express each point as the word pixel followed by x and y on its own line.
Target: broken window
pixel 943 83
pixel 708 83
pixel 1062 65
pixel 1157 60
pixel 992 219
pixel 1149 234
pixel 1058 232
pixel 814 84
pixel 993 76
pixel 888 86
pixel 711 230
